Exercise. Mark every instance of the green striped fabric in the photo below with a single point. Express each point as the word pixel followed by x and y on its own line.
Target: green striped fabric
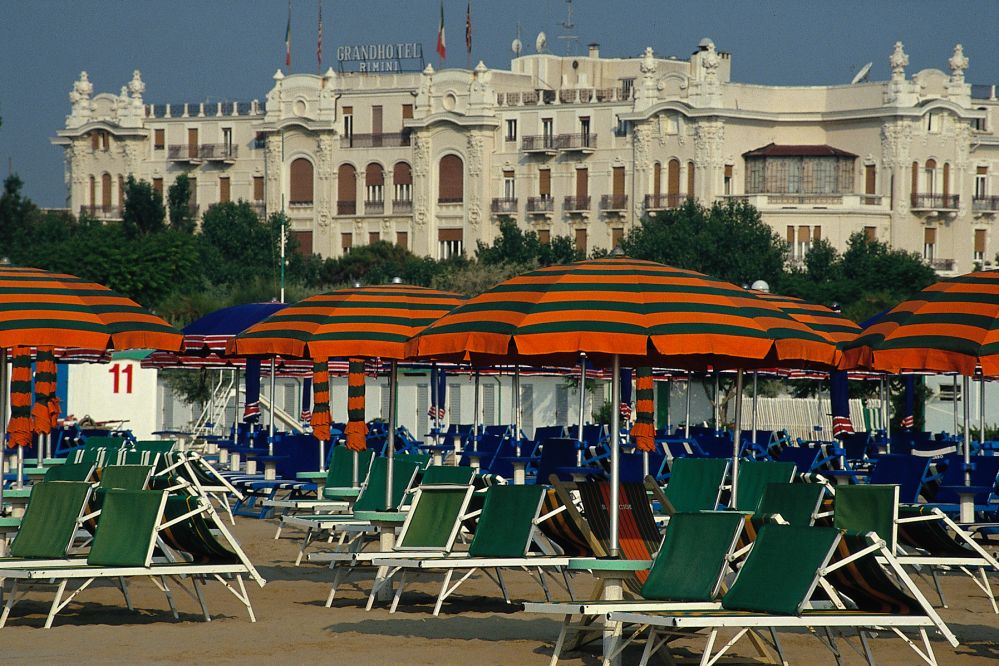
pixel 507 521
pixel 826 321
pixel 639 310
pixel 126 529
pixel 372 321
pixel 50 521
pixel 433 517
pixel 43 309
pixel 951 326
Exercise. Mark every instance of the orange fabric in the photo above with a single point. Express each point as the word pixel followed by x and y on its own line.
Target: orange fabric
pixel 357 435
pixel 644 435
pixel 45 374
pixel 321 419
pixel 19 425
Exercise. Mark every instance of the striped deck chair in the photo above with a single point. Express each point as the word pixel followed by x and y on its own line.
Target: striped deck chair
pixel 765 596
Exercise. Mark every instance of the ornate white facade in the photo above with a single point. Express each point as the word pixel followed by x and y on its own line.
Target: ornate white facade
pixel 579 146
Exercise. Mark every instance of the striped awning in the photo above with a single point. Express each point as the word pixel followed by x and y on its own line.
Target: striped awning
pixel 43 309
pixel 951 326
pixel 642 311
pixel 361 322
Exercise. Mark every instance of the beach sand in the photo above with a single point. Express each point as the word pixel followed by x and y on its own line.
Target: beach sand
pixel 475 626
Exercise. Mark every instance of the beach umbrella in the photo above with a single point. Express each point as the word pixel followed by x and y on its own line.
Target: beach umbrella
pixel 356 323
pixel 950 326
pixel 620 310
pixel 45 309
pixel 644 430
pixel 45 412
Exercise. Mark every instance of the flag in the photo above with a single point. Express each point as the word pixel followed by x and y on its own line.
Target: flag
pixel 842 425
pixel 319 39
pixel 468 27
pixel 287 39
pixel 441 45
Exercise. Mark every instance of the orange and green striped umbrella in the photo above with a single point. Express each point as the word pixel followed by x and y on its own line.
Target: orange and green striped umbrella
pixel 19 425
pixel 951 326
pixel 641 311
pixel 826 321
pixel 363 322
pixel 43 309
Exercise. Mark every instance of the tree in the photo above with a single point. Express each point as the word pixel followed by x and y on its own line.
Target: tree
pixel 515 246
pixel 143 213
pixel 728 240
pixel 236 245
pixel 179 198
pixel 15 212
pixel 378 263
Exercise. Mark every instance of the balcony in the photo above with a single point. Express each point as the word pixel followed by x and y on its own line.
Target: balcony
pixel 346 208
pixel 101 212
pixel 614 203
pixel 451 200
pixel 402 206
pixel 374 207
pixel 942 265
pixel 543 204
pixel 985 204
pixel 818 202
pixel 542 144
pixel 576 204
pixel 655 202
pixel 576 143
pixel 504 205
pixel 260 208
pixel 383 140
pixel 202 152
pixel 932 202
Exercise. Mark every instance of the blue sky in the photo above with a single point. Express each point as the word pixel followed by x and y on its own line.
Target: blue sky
pixel 196 51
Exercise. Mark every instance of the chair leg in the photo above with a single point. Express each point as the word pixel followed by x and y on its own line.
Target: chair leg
pixel 936 584
pixel 544 584
pixel 55 604
pixel 868 655
pixel 245 598
pixel 337 579
pixel 706 657
pixel 440 597
pixel 560 641
pixel 988 589
pixel 169 596
pixel 305 544
pixel 201 600
pixel 11 600
pixel 502 584
pixel 123 585
pixel 398 591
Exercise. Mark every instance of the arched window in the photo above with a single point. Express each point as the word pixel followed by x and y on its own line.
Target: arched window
pixel 302 187
pixel 346 190
pixel 105 191
pixel 657 179
pixel 451 183
pixel 691 171
pixel 374 183
pixel 93 192
pixel 930 174
pixel 946 181
pixel 673 183
pixel 402 181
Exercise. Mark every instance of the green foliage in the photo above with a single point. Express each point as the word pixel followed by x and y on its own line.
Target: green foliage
pixel 378 263
pixel 143 213
pixel 194 388
pixel 866 279
pixel 182 217
pixel 15 211
pixel 524 248
pixel 602 414
pixel 728 240
pixel 236 245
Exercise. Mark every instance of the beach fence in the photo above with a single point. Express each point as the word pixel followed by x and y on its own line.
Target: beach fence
pixel 808 418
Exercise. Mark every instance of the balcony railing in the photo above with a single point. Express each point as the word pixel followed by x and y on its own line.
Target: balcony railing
pixel 539 143
pixel 346 208
pixel 576 142
pixel 383 140
pixel 935 201
pixel 664 201
pixel 942 264
pixel 540 204
pixel 984 204
pixel 450 200
pixel 101 212
pixel 260 208
pixel 504 205
pixel 614 202
pixel 576 204
pixel 197 152
pixel 374 207
pixel 300 203
pixel 804 199
pixel 402 206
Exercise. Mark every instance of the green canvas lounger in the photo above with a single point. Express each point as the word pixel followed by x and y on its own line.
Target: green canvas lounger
pixel 371 498
pixel 796 503
pixel 687 572
pixel 754 475
pixel 695 484
pixel 130 525
pixel 339 491
pixel 506 529
pixel 778 597
pixel 71 472
pixel 48 528
pixel 126 477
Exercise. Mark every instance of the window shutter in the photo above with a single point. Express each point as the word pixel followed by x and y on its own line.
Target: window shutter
pixel 544 182
pixel 691 174
pixel 449 235
pixel 618 184
pixel 258 188
pixel 224 191
pixel 930 236
pixel 407 111
pixel 980 241
pixel 301 190
pixel 452 174
pixel 159 139
pixel 402 174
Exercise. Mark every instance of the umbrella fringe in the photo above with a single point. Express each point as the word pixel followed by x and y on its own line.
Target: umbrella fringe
pixel 644 430
pixel 357 429
pixel 19 425
pixel 321 404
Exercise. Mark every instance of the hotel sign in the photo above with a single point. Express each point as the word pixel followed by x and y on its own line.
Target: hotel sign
pixel 388 57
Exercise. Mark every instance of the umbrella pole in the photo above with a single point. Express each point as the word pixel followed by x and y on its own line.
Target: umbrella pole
pixel 3 417
pixel 615 480
pixel 954 400
pixel 887 405
pixel 270 426
pixel 516 408
pixel 477 421
pixel 390 454
pixel 755 376
pixel 981 415
pixel 966 404
pixel 686 409
pixel 718 426
pixel 582 406
pixel 737 438
pixel 235 406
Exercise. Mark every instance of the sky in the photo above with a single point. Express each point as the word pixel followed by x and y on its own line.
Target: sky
pixel 191 51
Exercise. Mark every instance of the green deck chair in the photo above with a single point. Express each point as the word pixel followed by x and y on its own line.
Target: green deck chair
pixel 447 475
pixel 797 503
pixel 71 472
pixel 863 508
pixel 49 525
pixel 160 446
pixel 126 477
pixel 126 531
pixel 372 497
pixel 754 475
pixel 695 483
pixel 103 442
pixel 341 472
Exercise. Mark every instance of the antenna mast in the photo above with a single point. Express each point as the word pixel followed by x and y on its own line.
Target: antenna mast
pixel 569 36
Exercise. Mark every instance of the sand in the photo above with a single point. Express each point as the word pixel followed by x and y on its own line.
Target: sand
pixel 475 627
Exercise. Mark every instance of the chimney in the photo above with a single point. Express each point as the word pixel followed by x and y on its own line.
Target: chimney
pixel 594 50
